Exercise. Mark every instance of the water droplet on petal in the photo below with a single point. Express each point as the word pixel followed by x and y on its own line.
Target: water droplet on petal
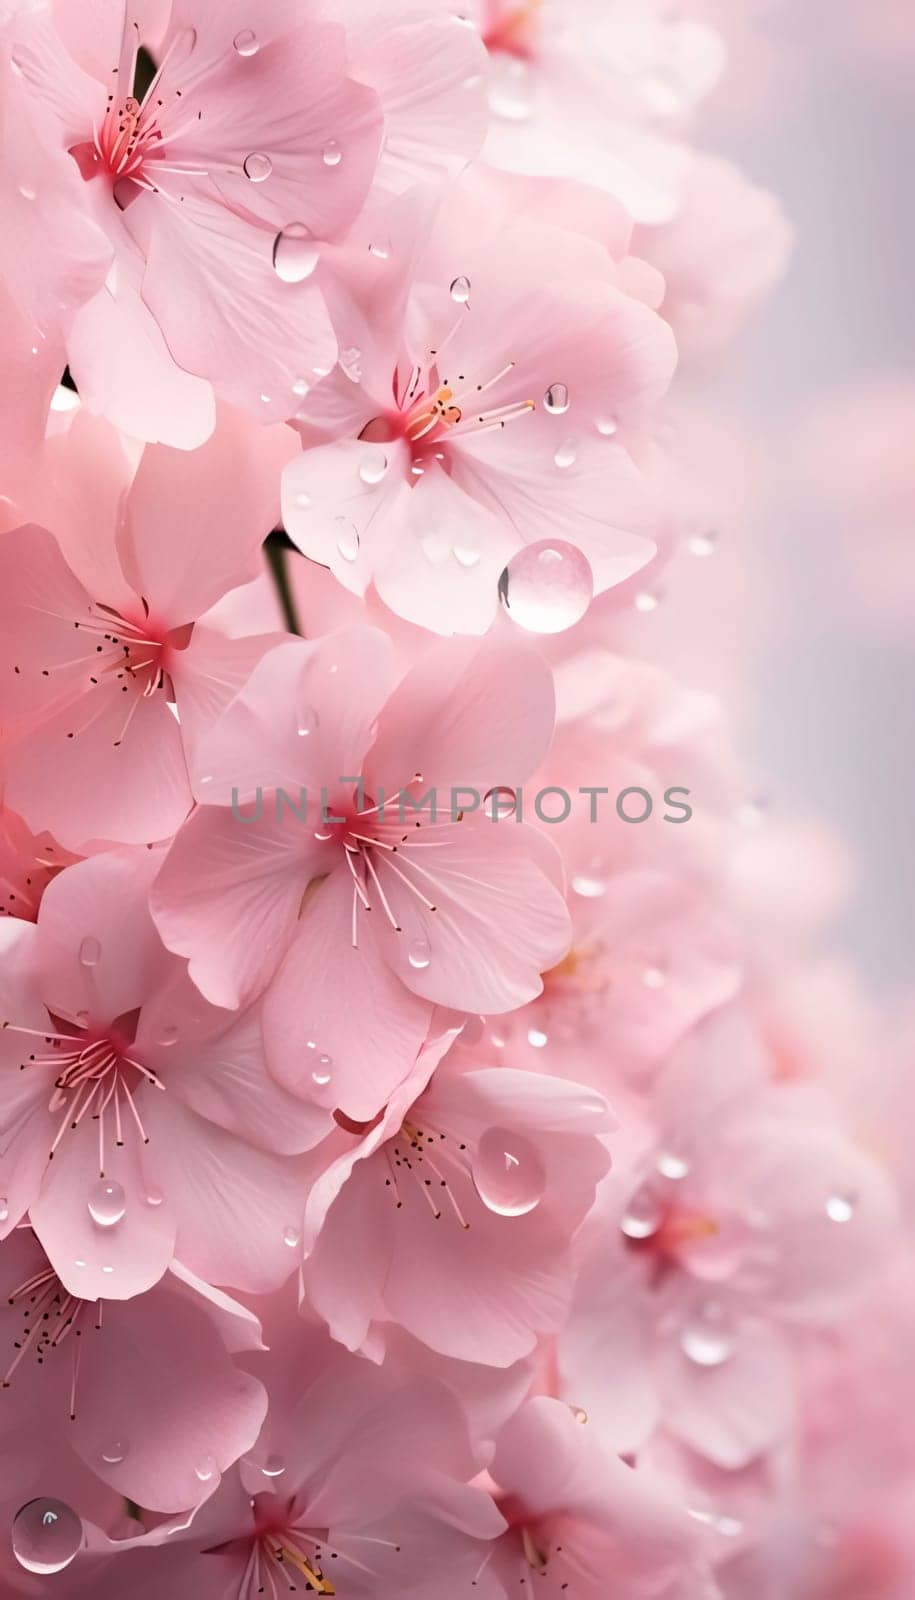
pixel 653 978
pixel 347 538
pixel 508 1173
pixel 257 167
pixel 46 1536
pixel 27 192
pixel 291 1237
pixel 90 952
pixel 273 1467
pixel 556 400
pixel 500 802
pixel 466 555
pixel 300 388
pixel 672 1166
pixel 167 1034
pixel 246 42
pixel 607 426
pixel 547 587
pixel 154 1197
pixel 381 249
pixel 537 1038
pixel 295 254
pixel 703 544
pixel 107 1202
pixel 419 954
pixel 307 722
pixel 589 888
pixel 460 290
pixel 332 154
pixel 706 1337
pixel 646 601
pixel 373 466
pixel 323 1072
pixel 303 500
pixel 206 1469
pixel 114 1453
pixel 567 454
pixel 840 1207
pixel 509 86
pixel 644 1213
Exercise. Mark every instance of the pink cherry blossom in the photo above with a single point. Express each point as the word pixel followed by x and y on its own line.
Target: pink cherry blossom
pixel 140 1121
pixel 478 412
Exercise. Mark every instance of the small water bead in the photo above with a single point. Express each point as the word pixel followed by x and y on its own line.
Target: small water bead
pixel 323 1072
pixel 300 388
pixel 670 1165
pixel 347 538
pixel 107 1202
pixel 653 978
pixel 606 427
pixel 206 1469
pixel 547 587
pixel 588 887
pixel 706 1337
pixel 556 400
pixel 840 1207
pixel 381 249
pixel 302 500
pixel 419 955
pixel 460 290
pixel 115 1452
pixel 167 1034
pixel 500 802
pixel 466 555
pixel 307 722
pixel 702 544
pixel 567 454
pixel 27 192
pixel 90 952
pixel 510 95
pixel 257 167
pixel 154 1197
pixel 332 154
pixel 646 601
pixel 644 1213
pixel 295 254
pixel 246 43
pixel 273 1467
pixel 373 466
pixel 292 1237
pixel 508 1173
pixel 46 1536
pixel 537 1038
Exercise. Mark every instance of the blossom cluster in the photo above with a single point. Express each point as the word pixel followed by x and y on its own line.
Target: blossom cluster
pixel 454 1196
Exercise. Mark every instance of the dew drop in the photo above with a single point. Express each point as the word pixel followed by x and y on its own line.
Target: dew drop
pixel 257 167
pixel 107 1202
pixel 509 87
pixel 537 1038
pixel 606 427
pixel 556 400
pixel 168 1034
pixel 347 538
pixel 645 601
pixel 840 1207
pixel 246 43
pixel 466 555
pixel 373 466
pixel 460 290
pixel 90 952
pixel 332 154
pixel 154 1197
pixel 588 887
pixel 381 249
pixel 27 192
pixel 419 954
pixel 547 587
pixel 295 254
pixel 323 1072
pixel 644 1213
pixel 300 388
pixel 302 500
pixel 653 978
pixel 703 544
pixel 46 1536
pixel 672 1166
pixel 307 722
pixel 500 802
pixel 508 1173
pixel 706 1338
pixel 114 1453
pixel 291 1237
pixel 567 454
pixel 206 1469
pixel 273 1467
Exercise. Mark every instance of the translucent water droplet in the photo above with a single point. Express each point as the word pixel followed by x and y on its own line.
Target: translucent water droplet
pixel 579 1414
pixel 300 388
pixel 90 952
pixel 537 1038
pixel 840 1207
pixel 703 544
pixel 106 1202
pixel 167 1034
pixel 419 954
pixel 307 722
pixel 154 1197
pixel 500 802
pixel 556 400
pixel 644 1213
pixel 46 1536
pixel 295 254
pixel 547 587
pixel 567 454
pixel 115 1452
pixel 332 154
pixel 206 1469
pixel 588 887
pixel 653 978
pixel 606 426
pixel 323 1072
pixel 672 1166
pixel 107 1269
pixel 27 192
pixel 706 1337
pixel 381 249
pixel 460 290
pixel 303 500
pixel 466 555
pixel 273 1467
pixel 508 1173
pixel 246 42
pixel 646 601
pixel 291 1236
pixel 509 86
pixel 257 167
pixel 347 538
pixel 373 466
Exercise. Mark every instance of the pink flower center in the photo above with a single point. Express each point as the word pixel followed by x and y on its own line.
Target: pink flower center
pixel 49 1315
pixel 432 411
